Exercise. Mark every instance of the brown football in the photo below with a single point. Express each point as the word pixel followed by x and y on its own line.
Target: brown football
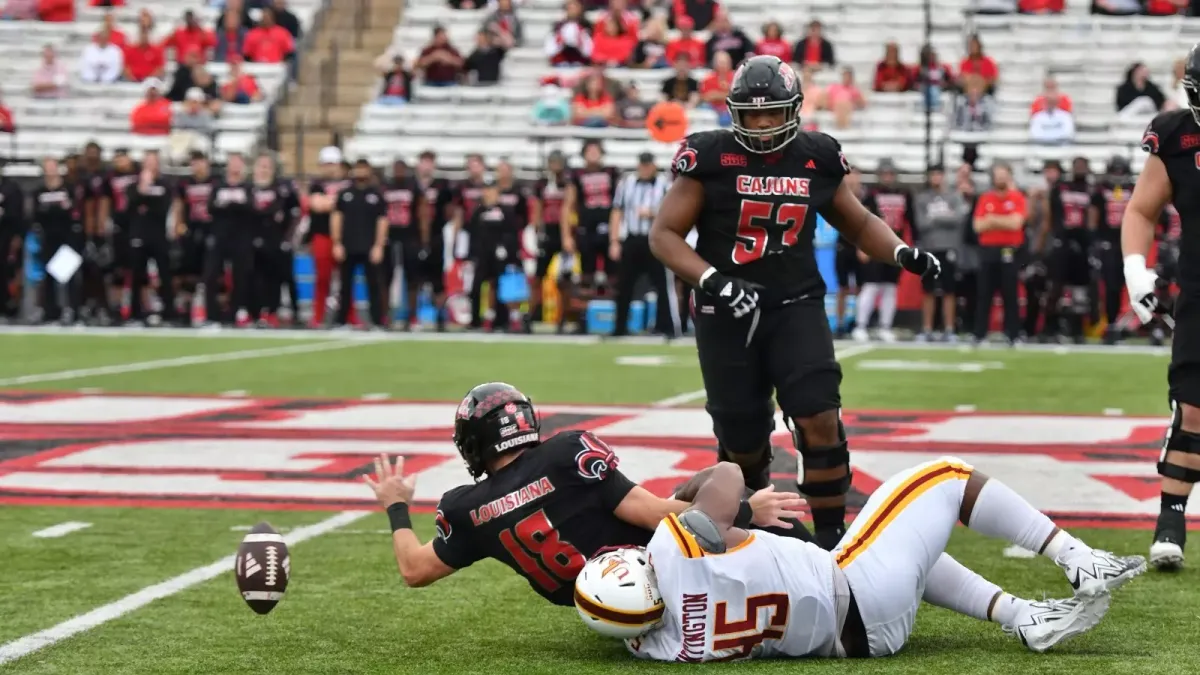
pixel 262 568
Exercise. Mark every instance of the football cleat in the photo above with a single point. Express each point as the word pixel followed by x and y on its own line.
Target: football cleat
pixel 1042 624
pixel 1093 572
pixel 1170 535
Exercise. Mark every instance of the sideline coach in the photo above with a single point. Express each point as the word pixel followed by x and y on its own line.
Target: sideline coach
pixel 359 229
pixel 638 197
pixel 1000 221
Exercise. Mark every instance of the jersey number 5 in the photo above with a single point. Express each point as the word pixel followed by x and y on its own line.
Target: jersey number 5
pixel 748 635
pixel 556 562
pixel 754 235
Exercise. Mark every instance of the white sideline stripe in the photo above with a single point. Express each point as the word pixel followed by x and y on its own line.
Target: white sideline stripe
pixel 689 396
pixel 61 529
pixel 179 362
pixel 101 615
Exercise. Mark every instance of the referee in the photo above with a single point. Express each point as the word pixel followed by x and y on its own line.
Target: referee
pixel 637 200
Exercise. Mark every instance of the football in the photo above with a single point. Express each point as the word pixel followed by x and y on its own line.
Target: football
pixel 262 568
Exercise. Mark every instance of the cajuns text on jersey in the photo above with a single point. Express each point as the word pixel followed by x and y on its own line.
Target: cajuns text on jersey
pixel 1175 138
pixel 760 210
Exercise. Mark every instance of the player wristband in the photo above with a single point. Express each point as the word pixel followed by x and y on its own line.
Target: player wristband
pixel 398 516
pixel 1135 262
pixel 744 515
pixel 896 253
pixel 705 277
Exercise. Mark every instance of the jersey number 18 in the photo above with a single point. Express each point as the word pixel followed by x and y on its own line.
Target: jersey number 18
pixel 754 235
pixel 556 563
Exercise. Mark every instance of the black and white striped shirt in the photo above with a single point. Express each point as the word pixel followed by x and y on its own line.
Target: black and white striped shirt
pixel 634 194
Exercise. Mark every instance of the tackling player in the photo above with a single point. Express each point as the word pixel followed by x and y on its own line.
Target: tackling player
pixel 540 507
pixel 707 590
pixel 753 194
pixel 1168 176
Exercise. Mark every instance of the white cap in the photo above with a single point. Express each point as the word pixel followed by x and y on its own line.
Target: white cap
pixel 330 155
pixel 195 94
pixel 152 83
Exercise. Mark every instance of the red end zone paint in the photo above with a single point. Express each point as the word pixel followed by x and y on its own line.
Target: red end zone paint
pixel 197 452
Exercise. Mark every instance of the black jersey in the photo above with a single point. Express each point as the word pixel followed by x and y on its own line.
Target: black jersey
pixel 491 226
pixel 544 514
pixel 402 196
pixel 12 208
pixel 273 204
pixel 1175 138
pixel 148 208
pixel 115 186
pixel 194 192
pixel 439 195
pixel 516 199
pixel 1069 201
pixel 232 209
pixel 894 206
pixel 550 191
pixel 467 195
pixel 54 211
pixel 594 192
pixel 760 210
pixel 318 223
pixel 1110 198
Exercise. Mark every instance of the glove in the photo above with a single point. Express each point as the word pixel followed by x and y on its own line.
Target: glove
pixel 739 295
pixel 1142 285
pixel 920 263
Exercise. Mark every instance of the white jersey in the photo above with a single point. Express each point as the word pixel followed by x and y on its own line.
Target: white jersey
pixel 768 596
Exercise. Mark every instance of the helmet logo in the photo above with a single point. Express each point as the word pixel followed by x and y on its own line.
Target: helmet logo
pixel 510 408
pixel 464 409
pixel 615 564
pixel 788 76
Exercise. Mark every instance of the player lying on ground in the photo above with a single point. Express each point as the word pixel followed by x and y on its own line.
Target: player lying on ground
pixel 542 508
pixel 700 588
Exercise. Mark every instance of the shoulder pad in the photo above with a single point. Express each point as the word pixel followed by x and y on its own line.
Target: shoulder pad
pixel 698 154
pixel 828 149
pixel 1165 132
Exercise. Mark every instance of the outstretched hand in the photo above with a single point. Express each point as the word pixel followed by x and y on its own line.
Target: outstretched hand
pixel 390 484
pixel 771 507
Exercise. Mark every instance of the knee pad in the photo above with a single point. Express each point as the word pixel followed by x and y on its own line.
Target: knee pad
pixel 743 434
pixel 1179 440
pixel 823 457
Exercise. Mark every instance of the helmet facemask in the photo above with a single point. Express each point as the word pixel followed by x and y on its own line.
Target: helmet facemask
pixel 762 141
pixel 1192 89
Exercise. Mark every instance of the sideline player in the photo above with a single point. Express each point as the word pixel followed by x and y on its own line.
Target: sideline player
pixel 540 507
pixel 1069 239
pixel 753 194
pixel 1170 142
pixel 721 593
pixel 1109 201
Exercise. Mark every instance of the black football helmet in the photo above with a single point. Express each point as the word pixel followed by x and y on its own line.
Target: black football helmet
pixel 1191 81
pixel 1117 169
pixel 764 83
pixel 494 419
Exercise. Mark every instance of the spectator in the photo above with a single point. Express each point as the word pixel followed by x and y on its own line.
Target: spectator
pixel 614 88
pixel 182 79
pixel 483 65
pixel 1116 7
pixel 890 74
pixel 682 87
pixel 843 98
pixel 698 12
pixel 145 21
pixel 8 124
pixel 287 19
pixel 19 10
pixel 50 79
pixel 152 117
pixel 933 72
pixel 814 98
pixel 651 51
pixel 56 11
pixel 686 43
pixel 101 61
pixel 813 48
pixel 195 116
pixel 439 61
pixel 632 111
pixel 773 43
pixel 613 42
pixel 504 18
pixel 552 109
pixel 396 89
pixel 569 44
pixel 115 34
pixel 1166 7
pixel 464 4
pixel 191 38
pixel 724 37
pixel 1050 89
pixel 231 38
pixel 269 42
pixel 620 10
pixel 144 59
pixel 1051 125
pixel 240 87
pixel 1046 6
pixel 976 110
pixel 715 88
pixel 1138 95
pixel 236 8
pixel 594 107
pixel 978 63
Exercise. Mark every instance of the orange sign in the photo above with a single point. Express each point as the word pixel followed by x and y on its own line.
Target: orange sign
pixel 667 122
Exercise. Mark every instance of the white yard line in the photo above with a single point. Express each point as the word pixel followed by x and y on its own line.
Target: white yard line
pixel 179 362
pixel 61 529
pixel 689 396
pixel 101 615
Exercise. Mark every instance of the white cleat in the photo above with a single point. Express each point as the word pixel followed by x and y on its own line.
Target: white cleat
pixel 1043 624
pixel 860 334
pixel 1093 572
pixel 886 335
pixel 1166 556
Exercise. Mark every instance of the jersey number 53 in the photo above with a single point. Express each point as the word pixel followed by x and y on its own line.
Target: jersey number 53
pixel 764 229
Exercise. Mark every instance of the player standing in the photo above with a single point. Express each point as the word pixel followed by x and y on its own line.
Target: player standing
pixel 893 204
pixel 1068 240
pixel 193 224
pixel 1168 176
pixel 1109 200
pixel 753 194
pixel 408 237
pixel 438 197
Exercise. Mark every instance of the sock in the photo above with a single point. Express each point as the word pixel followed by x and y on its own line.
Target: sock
pixel 829 518
pixel 1059 543
pixel 887 305
pixel 1175 505
pixel 866 305
pixel 999 512
pixel 953 586
pixel 1006 608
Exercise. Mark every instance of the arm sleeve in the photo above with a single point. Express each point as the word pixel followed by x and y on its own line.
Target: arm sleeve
pixel 453 544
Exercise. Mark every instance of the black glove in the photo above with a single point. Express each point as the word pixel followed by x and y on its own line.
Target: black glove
pixel 740 295
pixel 920 263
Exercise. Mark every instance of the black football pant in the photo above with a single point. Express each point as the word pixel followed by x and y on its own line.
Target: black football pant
pixel 238 253
pixel 1112 274
pixel 141 251
pixel 998 271
pixel 8 270
pixel 1036 284
pixel 488 269
pixel 372 272
pixel 636 261
pixel 274 268
pixel 51 242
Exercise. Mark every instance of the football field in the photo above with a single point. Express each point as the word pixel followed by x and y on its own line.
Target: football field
pixel 132 464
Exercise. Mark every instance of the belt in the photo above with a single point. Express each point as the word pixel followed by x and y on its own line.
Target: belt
pixel 854 634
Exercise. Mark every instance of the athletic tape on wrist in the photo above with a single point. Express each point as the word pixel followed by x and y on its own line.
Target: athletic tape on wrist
pixel 398 517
